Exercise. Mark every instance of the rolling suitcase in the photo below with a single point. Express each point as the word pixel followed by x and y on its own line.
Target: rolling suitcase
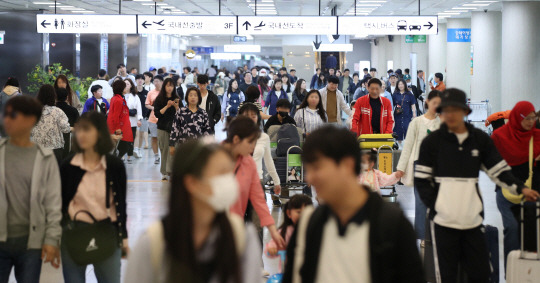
pixel 524 266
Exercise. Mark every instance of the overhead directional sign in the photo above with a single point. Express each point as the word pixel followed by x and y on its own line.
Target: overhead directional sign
pixel 286 25
pixel 388 25
pixel 186 25
pixel 56 23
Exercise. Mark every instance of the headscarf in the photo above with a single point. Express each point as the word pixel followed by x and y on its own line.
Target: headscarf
pixel 512 140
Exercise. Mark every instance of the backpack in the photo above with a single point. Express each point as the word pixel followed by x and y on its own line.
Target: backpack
pixel 287 137
pixel 234 103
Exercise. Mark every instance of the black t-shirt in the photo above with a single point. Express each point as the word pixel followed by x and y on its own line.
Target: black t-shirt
pixel 142 96
pixel 375 114
pixel 272 121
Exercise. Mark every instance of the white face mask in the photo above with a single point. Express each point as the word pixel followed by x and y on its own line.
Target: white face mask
pixel 365 166
pixel 225 192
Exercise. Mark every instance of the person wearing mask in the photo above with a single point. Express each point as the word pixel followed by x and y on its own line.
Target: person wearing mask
pixel 513 141
pixel 373 113
pixel 293 76
pixel 232 100
pixel 446 176
pixel 333 101
pixel 190 122
pixel 152 120
pixel 331 62
pixel 392 83
pixel 122 73
pixel 31 195
pixel 10 90
pixel 107 92
pixel 287 86
pixel 311 114
pixel 148 85
pixel 210 102
pixel 166 105
pixel 421 83
pixel 404 109
pixel 298 95
pixel 362 90
pixel 262 153
pixel 344 82
pixel 118 118
pixel 283 106
pixel 418 130
pixel 94 182
pixel 439 84
pixel 73 100
pixel 242 135
pixel 315 79
pixel 253 96
pixel 53 124
pixel 277 93
pixel 72 114
pixel 142 130
pixel 351 218
pixel 355 84
pixel 248 81
pixel 219 248
pixel 133 103
pixel 97 102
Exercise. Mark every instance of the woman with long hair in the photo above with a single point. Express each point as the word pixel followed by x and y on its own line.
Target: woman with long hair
pixel 404 109
pixel 73 100
pixel 232 100
pixel 276 94
pixel 133 103
pixel 311 114
pixel 286 83
pixel 94 182
pixel 321 81
pixel 118 118
pixel 298 95
pixel 418 130
pixel 242 136
pixel 264 89
pixel 252 96
pixel 165 107
pixel 198 240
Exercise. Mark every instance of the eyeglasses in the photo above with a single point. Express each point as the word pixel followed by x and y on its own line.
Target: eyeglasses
pixel 11 114
pixel 530 119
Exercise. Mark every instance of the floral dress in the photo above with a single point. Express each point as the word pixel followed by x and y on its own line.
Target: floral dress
pixel 189 125
pixel 50 129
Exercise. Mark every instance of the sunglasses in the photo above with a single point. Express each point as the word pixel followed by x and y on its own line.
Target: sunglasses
pixel 11 114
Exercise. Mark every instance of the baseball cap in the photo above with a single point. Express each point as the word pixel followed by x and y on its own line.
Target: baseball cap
pixel 152 69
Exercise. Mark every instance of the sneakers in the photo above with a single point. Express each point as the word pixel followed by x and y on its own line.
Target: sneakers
pixel 164 177
pixel 157 160
pixel 136 153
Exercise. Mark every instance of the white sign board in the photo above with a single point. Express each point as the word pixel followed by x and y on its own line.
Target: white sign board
pixel 286 25
pixel 186 25
pixel 388 25
pixel 56 23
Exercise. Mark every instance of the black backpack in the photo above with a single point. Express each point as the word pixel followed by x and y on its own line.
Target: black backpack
pixel 287 137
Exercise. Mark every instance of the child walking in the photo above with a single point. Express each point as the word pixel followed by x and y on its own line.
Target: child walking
pixel 374 178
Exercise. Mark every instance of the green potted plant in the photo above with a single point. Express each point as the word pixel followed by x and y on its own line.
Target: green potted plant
pixel 39 77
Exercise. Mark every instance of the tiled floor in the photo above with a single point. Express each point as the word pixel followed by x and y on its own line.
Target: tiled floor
pixel 147 201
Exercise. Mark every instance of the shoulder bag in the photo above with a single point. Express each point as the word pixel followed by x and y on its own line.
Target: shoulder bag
pixel 516 199
pixel 91 243
pixel 399 108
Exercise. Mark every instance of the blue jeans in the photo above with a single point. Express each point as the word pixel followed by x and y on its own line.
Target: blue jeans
pixel 420 210
pixel 510 224
pixel 27 263
pixel 107 271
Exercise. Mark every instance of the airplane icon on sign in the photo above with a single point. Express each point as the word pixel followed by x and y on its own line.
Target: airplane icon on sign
pixel 160 23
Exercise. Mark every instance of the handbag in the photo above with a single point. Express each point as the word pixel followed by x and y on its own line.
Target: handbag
pixel 399 110
pixel 516 199
pixel 132 112
pixel 91 243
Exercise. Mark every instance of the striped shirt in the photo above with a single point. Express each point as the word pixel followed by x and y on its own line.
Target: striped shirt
pixel 311 117
pixel 256 104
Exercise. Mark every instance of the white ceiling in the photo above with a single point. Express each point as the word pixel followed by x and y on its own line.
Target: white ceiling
pixel 241 7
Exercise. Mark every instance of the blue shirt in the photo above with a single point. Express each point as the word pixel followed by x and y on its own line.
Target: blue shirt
pixel 272 99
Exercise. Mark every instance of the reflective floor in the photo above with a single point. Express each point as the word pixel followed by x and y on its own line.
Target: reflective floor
pixel 147 201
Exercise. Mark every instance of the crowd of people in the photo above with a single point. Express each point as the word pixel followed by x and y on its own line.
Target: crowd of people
pixel 63 164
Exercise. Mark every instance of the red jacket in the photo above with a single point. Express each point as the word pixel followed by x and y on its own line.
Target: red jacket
pixel 361 123
pixel 118 118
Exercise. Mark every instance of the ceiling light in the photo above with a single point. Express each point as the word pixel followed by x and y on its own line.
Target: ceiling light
pixel 455 11
pixel 82 11
pixel 72 9
pixel 152 4
pixel 368 5
pixel 43 3
pixel 262 5
pixel 225 56
pixel 464 8
pixel 447 14
pixel 242 48
pixel 178 12
pixel 60 6
pixel 473 5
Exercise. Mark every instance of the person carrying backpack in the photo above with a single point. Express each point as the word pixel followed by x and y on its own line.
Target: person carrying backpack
pixel 232 100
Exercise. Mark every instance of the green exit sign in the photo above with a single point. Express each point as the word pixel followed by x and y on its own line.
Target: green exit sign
pixel 415 39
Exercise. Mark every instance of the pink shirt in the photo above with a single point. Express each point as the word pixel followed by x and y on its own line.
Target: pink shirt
pixel 90 194
pixel 376 179
pixel 150 98
pixel 272 243
pixel 250 189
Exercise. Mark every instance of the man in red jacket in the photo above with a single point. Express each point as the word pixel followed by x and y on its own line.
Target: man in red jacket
pixel 373 113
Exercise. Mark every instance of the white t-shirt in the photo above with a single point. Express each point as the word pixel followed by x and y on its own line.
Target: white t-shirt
pixel 203 103
pixel 392 88
pixel 462 137
pixel 99 101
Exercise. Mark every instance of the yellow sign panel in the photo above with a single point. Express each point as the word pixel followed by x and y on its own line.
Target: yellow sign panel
pixel 385 162
pixel 190 54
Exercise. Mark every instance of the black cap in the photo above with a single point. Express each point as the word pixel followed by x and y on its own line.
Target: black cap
pixel 454 97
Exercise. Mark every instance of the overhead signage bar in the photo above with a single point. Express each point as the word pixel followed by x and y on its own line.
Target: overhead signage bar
pixel 388 25
pixel 187 25
pixel 303 25
pixel 57 23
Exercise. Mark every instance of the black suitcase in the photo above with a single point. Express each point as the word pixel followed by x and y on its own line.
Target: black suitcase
pixel 281 167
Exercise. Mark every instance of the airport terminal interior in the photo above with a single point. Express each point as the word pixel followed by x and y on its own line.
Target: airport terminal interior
pixel 409 127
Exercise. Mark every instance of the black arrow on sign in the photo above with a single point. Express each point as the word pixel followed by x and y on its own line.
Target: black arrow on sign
pixel 335 36
pixel 429 26
pixel 45 24
pixel 317 43
pixel 145 24
pixel 247 24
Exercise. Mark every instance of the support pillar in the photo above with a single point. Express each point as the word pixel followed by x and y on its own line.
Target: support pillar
pixel 436 54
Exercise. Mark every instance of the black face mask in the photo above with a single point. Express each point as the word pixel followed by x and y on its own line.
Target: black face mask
pixel 283 114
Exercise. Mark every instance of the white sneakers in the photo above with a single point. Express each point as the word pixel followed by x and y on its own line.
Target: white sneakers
pixel 136 153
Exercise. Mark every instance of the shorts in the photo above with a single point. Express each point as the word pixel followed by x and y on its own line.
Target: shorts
pixel 144 126
pixel 152 127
